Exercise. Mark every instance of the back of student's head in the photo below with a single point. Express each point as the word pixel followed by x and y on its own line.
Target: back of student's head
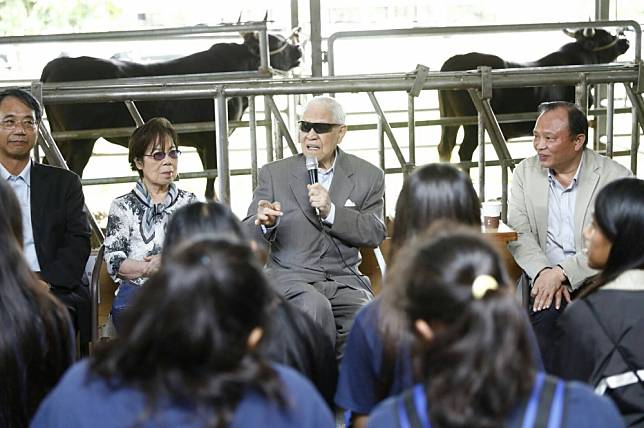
pixel 619 209
pixel 35 343
pixel 433 192
pixel 201 219
pixel 187 335
pixel 291 337
pixel 478 363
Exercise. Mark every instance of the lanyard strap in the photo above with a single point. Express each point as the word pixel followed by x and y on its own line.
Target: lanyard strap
pixel 544 408
pixel 412 409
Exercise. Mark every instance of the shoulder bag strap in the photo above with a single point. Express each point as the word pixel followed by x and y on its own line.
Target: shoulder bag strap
pixel 631 366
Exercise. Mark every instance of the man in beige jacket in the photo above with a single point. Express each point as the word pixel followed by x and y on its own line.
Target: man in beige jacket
pixel 551 202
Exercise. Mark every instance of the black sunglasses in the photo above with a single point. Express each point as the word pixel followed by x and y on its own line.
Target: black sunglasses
pixel 159 156
pixel 319 128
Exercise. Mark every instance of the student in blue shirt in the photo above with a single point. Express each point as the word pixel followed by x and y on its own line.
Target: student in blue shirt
pixel 188 355
pixel 474 361
pixel 377 362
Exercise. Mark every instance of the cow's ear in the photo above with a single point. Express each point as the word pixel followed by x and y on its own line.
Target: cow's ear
pixel 251 40
pixel 250 37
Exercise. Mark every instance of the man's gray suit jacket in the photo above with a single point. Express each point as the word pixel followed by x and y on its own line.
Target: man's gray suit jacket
pixel 298 247
pixel 528 212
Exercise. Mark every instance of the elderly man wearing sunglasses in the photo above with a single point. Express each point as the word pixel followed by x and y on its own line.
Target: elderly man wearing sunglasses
pixel 137 220
pixel 314 231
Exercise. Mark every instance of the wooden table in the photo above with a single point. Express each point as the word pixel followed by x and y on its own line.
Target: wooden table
pixel 501 237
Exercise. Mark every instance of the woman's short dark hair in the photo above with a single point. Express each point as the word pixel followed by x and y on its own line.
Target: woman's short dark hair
pixel 204 302
pixel 577 120
pixel 619 214
pixel 432 192
pixel 144 136
pixel 10 211
pixel 36 343
pixel 479 341
pixel 26 98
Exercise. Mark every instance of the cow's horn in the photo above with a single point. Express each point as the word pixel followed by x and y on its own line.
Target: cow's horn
pixel 589 32
pixel 239 19
pixel 569 32
pixel 266 16
pixel 295 35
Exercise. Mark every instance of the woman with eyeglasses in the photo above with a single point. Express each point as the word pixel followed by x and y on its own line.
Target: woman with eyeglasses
pixel 137 220
pixel 474 363
pixel 600 337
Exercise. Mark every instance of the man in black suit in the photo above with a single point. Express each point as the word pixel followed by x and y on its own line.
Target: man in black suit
pixel 56 230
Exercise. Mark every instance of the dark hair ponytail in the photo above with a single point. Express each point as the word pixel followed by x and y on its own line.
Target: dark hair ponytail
pixel 478 365
pixel 205 301
pixel 432 193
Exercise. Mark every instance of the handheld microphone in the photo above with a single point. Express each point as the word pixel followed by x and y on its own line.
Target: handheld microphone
pixel 312 168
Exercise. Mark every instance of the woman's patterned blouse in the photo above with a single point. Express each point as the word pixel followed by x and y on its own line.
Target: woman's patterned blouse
pixel 124 240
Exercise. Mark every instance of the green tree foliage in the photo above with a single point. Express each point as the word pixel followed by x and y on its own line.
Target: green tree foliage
pixel 22 17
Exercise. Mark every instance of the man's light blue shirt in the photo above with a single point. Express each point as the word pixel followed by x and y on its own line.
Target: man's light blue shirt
pixel 325 177
pixel 21 185
pixel 560 241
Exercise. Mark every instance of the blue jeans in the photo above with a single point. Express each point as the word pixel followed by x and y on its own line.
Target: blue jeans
pixel 122 300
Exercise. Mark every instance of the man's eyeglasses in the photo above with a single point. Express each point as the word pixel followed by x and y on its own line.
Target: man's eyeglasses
pixel 159 156
pixel 26 124
pixel 319 128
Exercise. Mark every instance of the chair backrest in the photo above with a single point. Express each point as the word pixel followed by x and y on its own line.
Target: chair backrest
pixel 374 263
pixel 101 289
pixel 94 292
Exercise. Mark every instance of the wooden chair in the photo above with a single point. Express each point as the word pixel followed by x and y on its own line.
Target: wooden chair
pixel 374 263
pixel 101 289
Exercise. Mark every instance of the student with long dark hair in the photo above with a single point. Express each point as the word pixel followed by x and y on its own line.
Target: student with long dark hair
pixel 434 192
pixel 376 366
pixel 187 356
pixel 291 338
pixel 600 337
pixel 36 335
pixel 473 355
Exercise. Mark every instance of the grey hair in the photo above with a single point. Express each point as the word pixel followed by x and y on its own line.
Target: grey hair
pixel 337 112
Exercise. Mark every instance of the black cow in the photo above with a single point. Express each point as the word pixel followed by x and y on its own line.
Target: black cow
pixel 222 57
pixel 591 47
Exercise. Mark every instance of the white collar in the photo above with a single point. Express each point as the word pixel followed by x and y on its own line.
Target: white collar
pixel 631 280
pixel 25 173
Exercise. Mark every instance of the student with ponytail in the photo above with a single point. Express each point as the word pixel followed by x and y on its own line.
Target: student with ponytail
pixel 377 361
pixel 473 355
pixel 187 356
